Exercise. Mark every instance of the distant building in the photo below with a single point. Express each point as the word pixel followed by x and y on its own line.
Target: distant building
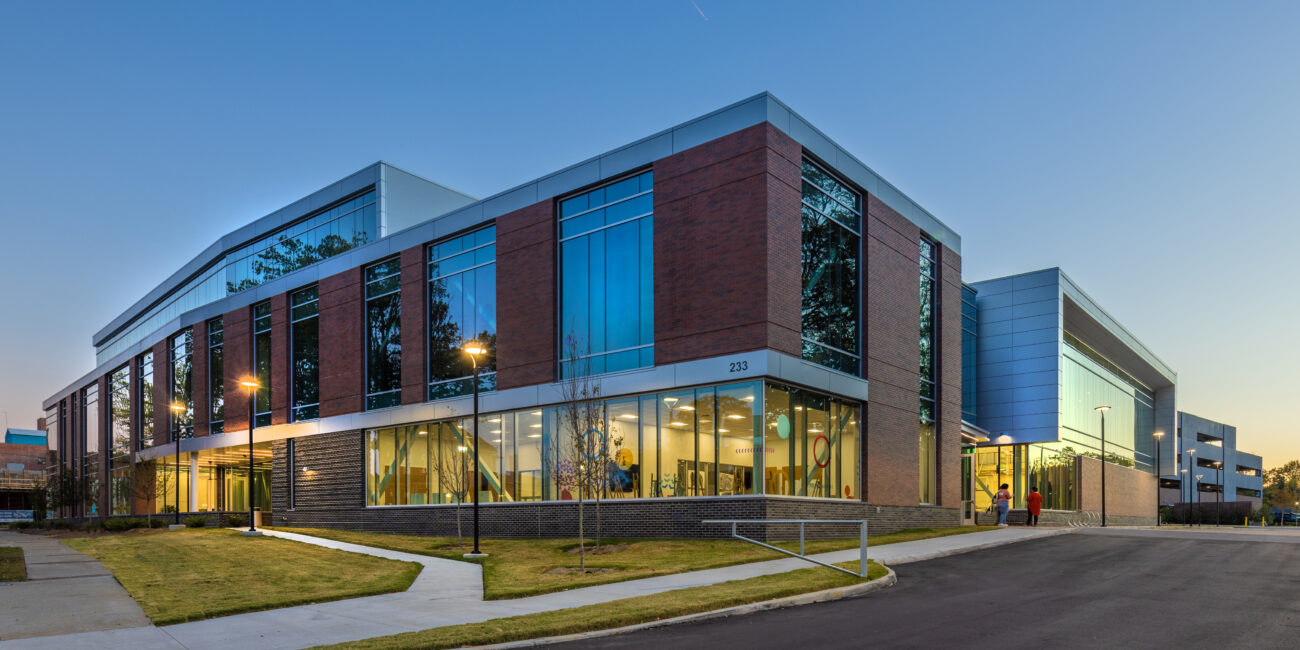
pixel 22 465
pixel 1209 450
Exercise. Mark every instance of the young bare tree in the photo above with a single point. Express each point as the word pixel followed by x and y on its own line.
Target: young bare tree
pixel 142 484
pixel 453 470
pixel 582 423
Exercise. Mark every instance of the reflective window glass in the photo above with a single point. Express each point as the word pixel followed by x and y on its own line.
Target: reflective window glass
pixel 462 307
pixel 830 244
pixel 383 335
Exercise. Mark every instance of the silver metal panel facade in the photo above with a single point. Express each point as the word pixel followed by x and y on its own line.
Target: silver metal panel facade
pixel 1191 427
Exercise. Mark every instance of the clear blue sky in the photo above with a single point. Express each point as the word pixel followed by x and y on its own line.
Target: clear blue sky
pixel 1149 149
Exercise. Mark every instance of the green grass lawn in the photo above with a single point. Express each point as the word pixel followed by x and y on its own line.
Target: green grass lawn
pixel 619 613
pixel 516 568
pixel 12 566
pixel 201 573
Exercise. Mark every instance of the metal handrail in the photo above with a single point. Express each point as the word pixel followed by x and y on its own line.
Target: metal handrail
pixel 862 532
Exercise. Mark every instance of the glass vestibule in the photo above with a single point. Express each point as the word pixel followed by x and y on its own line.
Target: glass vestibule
pixel 709 441
pixel 1045 466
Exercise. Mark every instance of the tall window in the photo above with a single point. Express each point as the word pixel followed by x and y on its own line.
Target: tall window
pixel 383 335
pixel 607 277
pixel 119 440
pixel 928 370
pixel 216 376
pixel 182 385
pixel 831 223
pixel 90 456
pixel 145 390
pixel 262 363
pixel 462 306
pixel 969 323
pixel 304 337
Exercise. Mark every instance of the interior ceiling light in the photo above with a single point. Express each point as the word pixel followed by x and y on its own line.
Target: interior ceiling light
pixel 733 416
pixel 676 424
pixel 749 398
pixel 628 416
pixel 534 435
pixel 535 426
pixel 688 407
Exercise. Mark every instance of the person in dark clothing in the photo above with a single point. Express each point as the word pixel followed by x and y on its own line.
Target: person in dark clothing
pixel 1035 503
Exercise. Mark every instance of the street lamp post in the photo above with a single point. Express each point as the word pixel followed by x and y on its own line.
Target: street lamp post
pixel 251 385
pixel 1218 503
pixel 473 349
pixel 1195 485
pixel 1103 410
pixel 1181 482
pixel 177 409
pixel 1191 487
pixel 1158 435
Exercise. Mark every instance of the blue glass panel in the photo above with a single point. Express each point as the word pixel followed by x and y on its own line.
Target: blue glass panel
pixel 647 282
pixel 573 206
pixel 647 357
pixel 626 360
pixel 647 181
pixel 485 254
pixel 627 209
pixel 575 289
pixel 597 294
pixel 622 189
pixel 593 219
pixel 622 303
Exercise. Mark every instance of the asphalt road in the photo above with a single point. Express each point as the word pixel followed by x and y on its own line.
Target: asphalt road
pixel 1108 590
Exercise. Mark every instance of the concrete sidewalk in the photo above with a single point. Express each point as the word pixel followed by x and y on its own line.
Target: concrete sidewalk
pixel 448 592
pixel 57 577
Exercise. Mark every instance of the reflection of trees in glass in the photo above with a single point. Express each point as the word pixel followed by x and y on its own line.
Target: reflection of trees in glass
pixel 119 414
pixel 384 343
pixel 447 358
pixel 290 254
pixel 830 272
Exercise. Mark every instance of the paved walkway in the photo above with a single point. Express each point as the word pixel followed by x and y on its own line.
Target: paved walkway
pixel 58 576
pixel 448 592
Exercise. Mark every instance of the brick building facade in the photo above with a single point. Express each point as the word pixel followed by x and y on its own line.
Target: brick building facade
pixel 730 295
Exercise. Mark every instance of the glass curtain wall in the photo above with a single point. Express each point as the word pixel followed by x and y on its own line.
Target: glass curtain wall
pixel 384 334
pixel 1048 466
pixel 607 278
pixel 928 370
pixel 182 385
pixel 969 334
pixel 90 456
pixel 709 441
pixel 144 437
pixel 119 437
pixel 216 376
pixel 262 363
pixel 1088 380
pixel 831 218
pixel 304 342
pixel 462 306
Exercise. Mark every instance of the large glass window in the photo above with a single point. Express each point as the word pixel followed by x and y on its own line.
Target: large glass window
pixel 607 277
pixel 216 376
pixel 969 323
pixel 384 334
pixel 462 306
pixel 182 385
pixel 831 218
pixel 1088 380
pixel 334 230
pixel 119 440
pixel 710 441
pixel 812 444
pixel 304 337
pixel 90 449
pixel 145 392
pixel 928 369
pixel 262 363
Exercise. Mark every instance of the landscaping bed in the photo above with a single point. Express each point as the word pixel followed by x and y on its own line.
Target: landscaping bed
pixel 12 566
pixel 201 573
pixel 620 613
pixel 516 568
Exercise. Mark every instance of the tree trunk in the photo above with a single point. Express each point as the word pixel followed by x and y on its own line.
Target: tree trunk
pixel 460 539
pixel 582 549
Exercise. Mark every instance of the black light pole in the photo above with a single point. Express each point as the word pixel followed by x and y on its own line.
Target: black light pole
pixel 1218 504
pixel 1181 482
pixel 1195 484
pixel 1158 435
pixel 473 349
pixel 176 432
pixel 1191 487
pixel 251 385
pixel 1103 410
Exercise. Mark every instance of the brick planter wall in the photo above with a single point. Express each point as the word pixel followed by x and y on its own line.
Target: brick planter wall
pixel 332 495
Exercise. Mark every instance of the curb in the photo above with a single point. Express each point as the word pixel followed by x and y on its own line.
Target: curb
pixel 979 547
pixel 823 596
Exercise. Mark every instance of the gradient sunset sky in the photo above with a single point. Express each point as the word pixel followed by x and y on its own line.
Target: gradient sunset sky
pixel 1149 149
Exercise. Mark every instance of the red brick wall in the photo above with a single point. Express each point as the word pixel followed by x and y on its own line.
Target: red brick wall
pixel 414 308
pixel 342 364
pixel 31 456
pixel 162 382
pixel 526 296
pixel 891 304
pixel 725 212
pixel 237 361
pixel 280 359
pixel 949 443
pixel 200 383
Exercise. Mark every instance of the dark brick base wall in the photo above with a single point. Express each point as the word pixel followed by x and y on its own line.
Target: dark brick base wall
pixel 332 495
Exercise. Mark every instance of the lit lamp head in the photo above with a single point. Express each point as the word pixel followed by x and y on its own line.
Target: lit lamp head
pixel 1103 409
pixel 1158 435
pixel 249 384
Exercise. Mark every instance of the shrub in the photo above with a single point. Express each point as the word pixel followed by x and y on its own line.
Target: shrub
pixel 157 523
pixel 237 520
pixel 196 521
pixel 117 525
pixel 20 525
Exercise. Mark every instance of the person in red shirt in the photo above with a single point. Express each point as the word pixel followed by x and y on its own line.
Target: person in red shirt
pixel 1035 503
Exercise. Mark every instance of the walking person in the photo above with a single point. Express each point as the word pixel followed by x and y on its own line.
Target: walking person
pixel 1004 503
pixel 1035 503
